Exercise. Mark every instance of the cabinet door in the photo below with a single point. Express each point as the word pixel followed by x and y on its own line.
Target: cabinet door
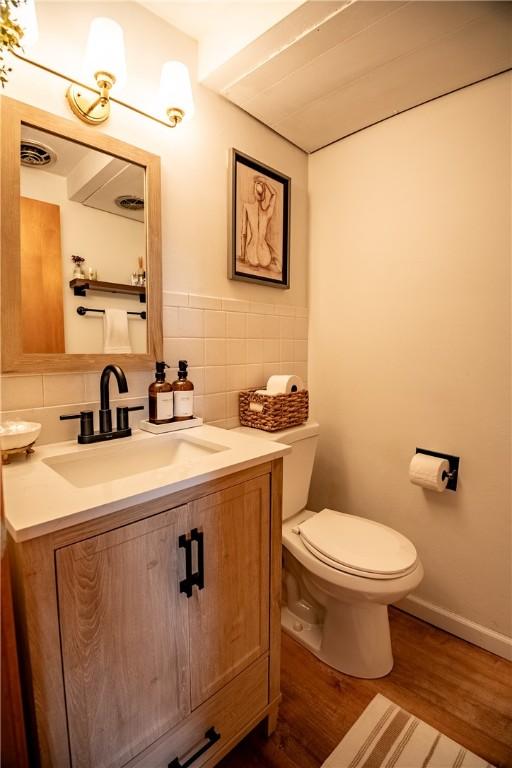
pixel 124 632
pixel 229 617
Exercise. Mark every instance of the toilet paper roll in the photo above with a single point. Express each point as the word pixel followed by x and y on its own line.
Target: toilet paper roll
pixel 428 472
pixel 283 385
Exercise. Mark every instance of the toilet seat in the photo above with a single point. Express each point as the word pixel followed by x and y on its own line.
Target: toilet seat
pixel 357 546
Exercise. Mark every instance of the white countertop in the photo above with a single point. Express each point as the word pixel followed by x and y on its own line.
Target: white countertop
pixel 38 500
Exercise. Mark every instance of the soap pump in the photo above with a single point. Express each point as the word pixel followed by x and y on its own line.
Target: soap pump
pixel 161 401
pixel 183 390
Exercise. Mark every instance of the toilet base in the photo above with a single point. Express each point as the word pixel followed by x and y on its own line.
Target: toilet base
pixel 354 639
pixel 308 635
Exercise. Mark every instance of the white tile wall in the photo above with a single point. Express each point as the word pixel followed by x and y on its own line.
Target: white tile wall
pixel 236 325
pixel 271 350
pixel 230 345
pixel 57 388
pixel 204 302
pixel 214 379
pixel 215 351
pixel 169 320
pixel 190 323
pixel 215 324
pixel 184 349
pixel 22 392
pixel 236 352
pixel 235 305
pixel 255 326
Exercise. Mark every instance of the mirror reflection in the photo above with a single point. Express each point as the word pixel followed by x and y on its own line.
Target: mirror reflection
pixel 83 248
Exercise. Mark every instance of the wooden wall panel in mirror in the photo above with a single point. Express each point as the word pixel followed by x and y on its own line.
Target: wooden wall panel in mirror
pixel 81 246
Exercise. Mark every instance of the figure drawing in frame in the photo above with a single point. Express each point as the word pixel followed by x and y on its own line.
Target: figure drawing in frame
pixel 260 223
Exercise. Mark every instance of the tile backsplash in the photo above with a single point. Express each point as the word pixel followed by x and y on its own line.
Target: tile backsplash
pixel 230 345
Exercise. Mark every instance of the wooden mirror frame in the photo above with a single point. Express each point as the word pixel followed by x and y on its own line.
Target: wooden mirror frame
pixel 14 360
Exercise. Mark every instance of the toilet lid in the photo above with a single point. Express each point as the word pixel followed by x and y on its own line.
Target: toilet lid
pixel 357 545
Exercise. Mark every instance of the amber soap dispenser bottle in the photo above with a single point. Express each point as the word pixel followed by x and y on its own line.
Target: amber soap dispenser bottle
pixel 183 390
pixel 161 401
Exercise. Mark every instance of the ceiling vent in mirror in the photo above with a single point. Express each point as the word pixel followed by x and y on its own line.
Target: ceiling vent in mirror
pixel 34 154
pixel 130 202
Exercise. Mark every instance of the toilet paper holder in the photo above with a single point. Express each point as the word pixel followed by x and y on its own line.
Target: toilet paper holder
pixel 453 461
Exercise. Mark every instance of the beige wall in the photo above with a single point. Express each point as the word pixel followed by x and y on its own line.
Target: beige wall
pixel 194 156
pixel 410 339
pixel 194 160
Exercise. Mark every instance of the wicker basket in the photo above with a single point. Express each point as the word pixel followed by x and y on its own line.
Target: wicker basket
pixel 273 412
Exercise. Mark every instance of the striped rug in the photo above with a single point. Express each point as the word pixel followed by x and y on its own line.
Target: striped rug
pixel 386 736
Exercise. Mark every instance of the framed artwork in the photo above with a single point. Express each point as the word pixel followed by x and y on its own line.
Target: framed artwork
pixel 259 226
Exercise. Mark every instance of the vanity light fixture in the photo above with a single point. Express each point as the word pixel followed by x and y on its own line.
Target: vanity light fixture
pixel 105 65
pixel 176 92
pixel 105 62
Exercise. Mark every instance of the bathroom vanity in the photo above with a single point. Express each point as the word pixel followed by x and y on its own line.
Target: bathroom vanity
pixel 148 603
pixel 146 570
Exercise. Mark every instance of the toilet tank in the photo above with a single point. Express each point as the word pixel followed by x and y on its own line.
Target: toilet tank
pixel 297 465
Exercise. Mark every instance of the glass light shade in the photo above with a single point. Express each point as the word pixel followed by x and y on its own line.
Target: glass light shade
pixel 105 50
pixel 175 88
pixel 26 17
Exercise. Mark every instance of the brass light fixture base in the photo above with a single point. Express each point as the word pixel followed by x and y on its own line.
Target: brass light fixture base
pixel 175 116
pixel 84 89
pixel 90 106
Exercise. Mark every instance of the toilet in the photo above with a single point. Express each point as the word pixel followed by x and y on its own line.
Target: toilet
pixel 340 571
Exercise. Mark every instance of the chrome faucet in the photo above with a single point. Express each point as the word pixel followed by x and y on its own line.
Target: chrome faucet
pixel 123 429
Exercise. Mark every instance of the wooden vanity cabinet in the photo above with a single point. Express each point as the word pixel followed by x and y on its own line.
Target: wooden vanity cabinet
pixel 124 635
pixel 152 636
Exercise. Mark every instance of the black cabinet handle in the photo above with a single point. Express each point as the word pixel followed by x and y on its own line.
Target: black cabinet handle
pixel 197 578
pixel 211 736
pixel 186 583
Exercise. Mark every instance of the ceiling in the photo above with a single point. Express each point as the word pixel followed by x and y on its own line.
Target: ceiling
pixel 67 153
pixel 325 70
pixel 93 178
pixel 222 27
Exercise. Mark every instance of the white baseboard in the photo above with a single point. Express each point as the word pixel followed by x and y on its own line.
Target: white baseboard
pixel 474 633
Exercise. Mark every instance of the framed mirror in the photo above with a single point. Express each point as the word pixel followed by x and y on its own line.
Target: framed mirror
pixel 81 247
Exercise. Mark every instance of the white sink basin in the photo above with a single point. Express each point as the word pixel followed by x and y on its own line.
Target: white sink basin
pixel 64 484
pixel 115 461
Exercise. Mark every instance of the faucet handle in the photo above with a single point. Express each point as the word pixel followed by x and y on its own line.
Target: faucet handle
pixel 86 421
pixel 122 415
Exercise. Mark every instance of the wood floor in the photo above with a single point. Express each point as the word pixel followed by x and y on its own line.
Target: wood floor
pixel 462 690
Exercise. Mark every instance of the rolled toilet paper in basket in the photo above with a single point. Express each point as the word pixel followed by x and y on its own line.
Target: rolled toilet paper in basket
pixel 430 472
pixel 284 385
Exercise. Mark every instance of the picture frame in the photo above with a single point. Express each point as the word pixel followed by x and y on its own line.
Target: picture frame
pixel 259 222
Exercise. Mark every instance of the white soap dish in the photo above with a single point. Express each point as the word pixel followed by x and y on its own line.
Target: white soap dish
pixel 172 426
pixel 18 437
